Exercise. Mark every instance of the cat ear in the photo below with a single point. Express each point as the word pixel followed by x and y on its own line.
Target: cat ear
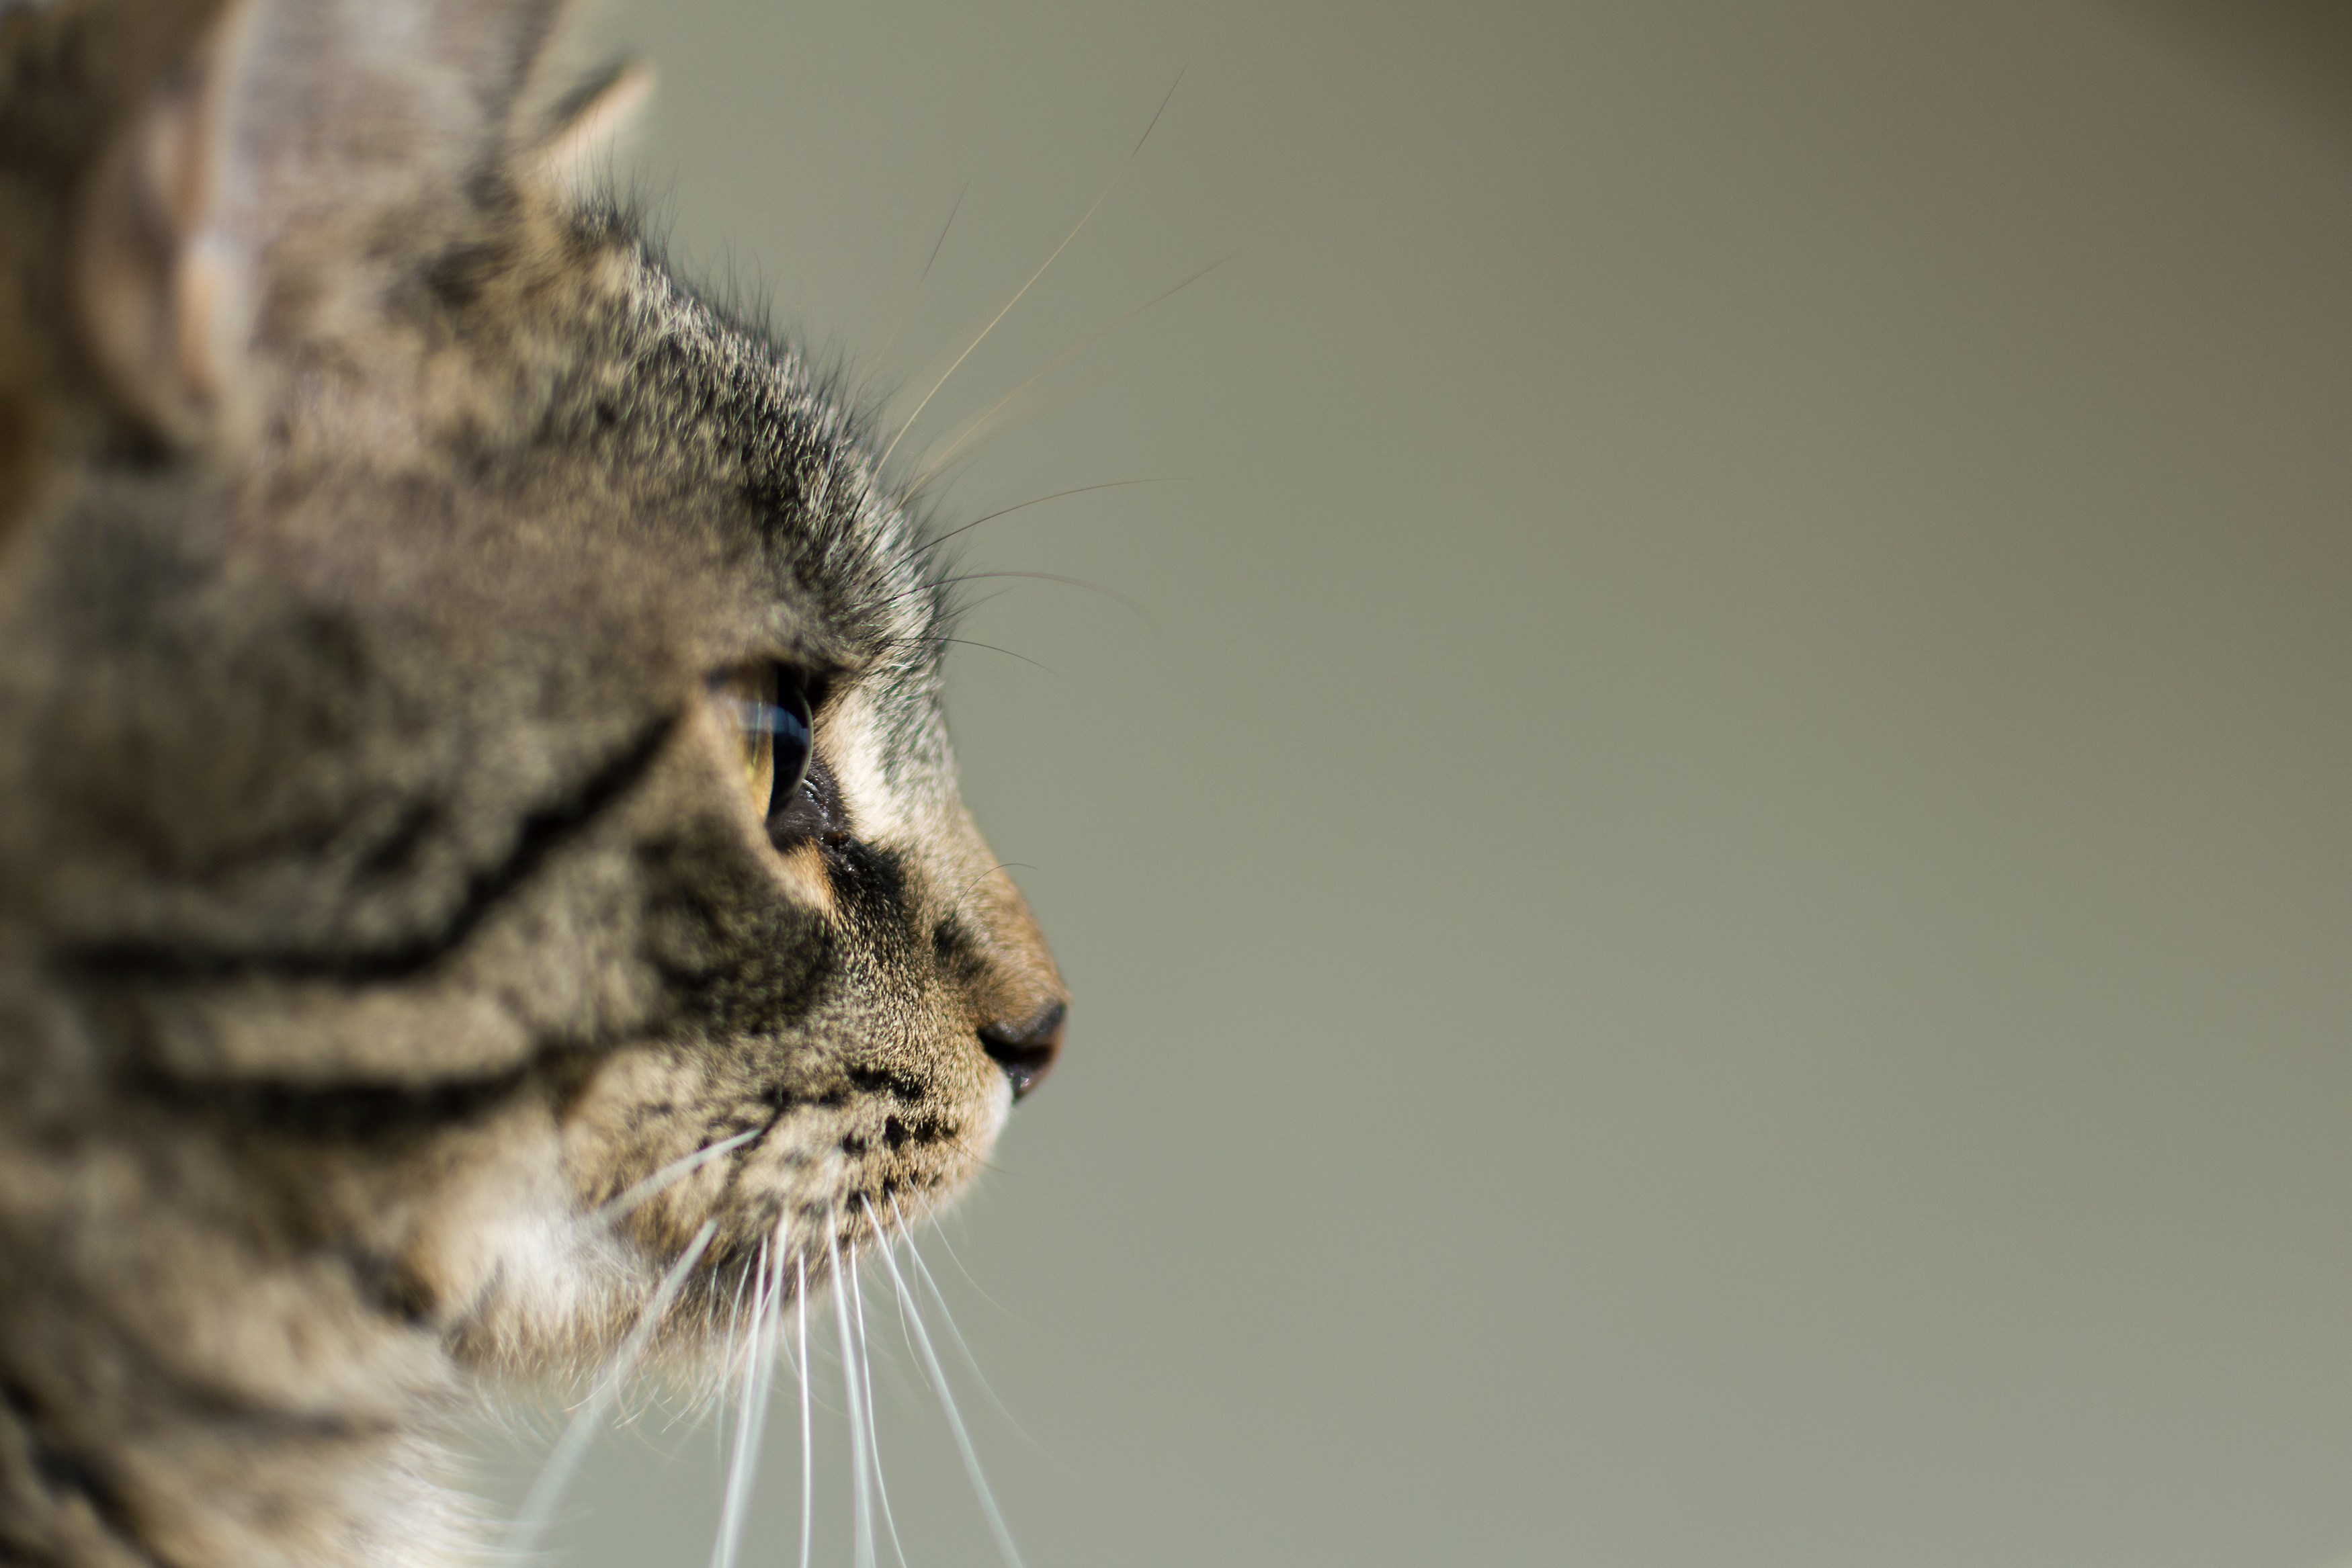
pixel 591 125
pixel 148 276
pixel 293 173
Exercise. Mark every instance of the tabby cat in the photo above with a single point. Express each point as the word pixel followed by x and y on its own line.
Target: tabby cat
pixel 481 875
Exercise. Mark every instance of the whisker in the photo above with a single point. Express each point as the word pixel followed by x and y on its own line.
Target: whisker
pixel 862 1518
pixel 968 642
pixel 940 1299
pixel 1004 424
pixel 539 1506
pixel 937 245
pixel 955 899
pixel 985 599
pixel 1034 276
pixel 663 1177
pixel 1164 102
pixel 873 1424
pixel 723 1549
pixel 717 1395
pixel 1112 594
pixel 734 1321
pixel 947 1403
pixel 932 544
pixel 940 1231
pixel 752 1415
pixel 808 1452
pixel 972 425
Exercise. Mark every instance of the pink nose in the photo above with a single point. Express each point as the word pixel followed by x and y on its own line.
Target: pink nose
pixel 1026 1049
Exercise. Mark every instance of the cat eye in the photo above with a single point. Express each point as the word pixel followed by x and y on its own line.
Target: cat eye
pixel 767 716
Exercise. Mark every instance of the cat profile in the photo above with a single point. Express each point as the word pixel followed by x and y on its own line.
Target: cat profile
pixel 481 874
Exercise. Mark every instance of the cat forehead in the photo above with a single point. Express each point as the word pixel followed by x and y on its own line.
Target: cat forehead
pixel 802 505
pixel 692 457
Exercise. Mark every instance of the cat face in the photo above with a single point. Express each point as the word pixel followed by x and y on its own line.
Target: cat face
pixel 481 823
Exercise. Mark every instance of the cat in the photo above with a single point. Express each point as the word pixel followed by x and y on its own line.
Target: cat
pixel 482 879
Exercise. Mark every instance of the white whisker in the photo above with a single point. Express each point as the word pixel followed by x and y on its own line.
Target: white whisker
pixel 751 1413
pixel 947 1403
pixel 734 1321
pixel 861 1516
pixel 873 1424
pixel 663 1177
pixel 546 1491
pixel 940 1299
pixel 941 1232
pixel 808 1453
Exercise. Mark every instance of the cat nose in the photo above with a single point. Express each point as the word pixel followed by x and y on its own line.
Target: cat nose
pixel 1026 1048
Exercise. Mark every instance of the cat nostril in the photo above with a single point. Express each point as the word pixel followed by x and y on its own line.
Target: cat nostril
pixel 1026 1049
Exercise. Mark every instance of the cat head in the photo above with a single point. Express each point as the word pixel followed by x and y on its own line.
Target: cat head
pixel 474 705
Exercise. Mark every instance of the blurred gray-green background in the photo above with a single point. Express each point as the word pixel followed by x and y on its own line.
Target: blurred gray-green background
pixel 1712 906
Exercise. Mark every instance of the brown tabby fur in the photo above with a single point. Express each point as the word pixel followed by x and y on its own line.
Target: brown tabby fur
pixel 378 895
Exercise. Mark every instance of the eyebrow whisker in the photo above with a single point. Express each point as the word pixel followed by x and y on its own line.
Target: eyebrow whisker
pixel 916 289
pixel 1110 186
pixel 972 425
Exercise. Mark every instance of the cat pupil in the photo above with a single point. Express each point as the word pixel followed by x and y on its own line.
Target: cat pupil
pixel 791 738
